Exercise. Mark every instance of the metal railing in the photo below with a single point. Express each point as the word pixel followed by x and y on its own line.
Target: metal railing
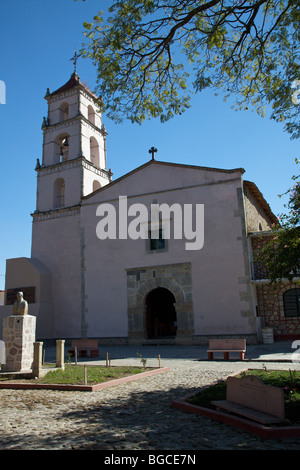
pixel 258 271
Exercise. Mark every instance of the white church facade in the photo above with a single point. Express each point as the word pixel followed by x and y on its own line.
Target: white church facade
pixel 95 269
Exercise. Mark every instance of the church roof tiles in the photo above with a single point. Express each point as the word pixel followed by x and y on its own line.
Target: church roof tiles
pixel 73 82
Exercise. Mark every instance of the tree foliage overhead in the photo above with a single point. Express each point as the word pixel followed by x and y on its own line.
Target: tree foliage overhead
pixel 151 55
pixel 281 255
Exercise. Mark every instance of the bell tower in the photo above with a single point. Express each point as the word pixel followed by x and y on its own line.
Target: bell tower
pixel 74 148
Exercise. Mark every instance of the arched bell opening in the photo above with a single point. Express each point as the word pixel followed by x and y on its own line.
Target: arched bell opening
pixel 91 114
pixel 96 185
pixel 64 111
pixel 59 193
pixel 62 143
pixel 94 152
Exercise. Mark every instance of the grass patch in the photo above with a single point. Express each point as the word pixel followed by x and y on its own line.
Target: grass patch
pixel 74 374
pixel 95 374
pixel 289 381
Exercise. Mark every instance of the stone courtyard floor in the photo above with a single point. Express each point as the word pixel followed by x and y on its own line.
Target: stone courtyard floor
pixel 136 415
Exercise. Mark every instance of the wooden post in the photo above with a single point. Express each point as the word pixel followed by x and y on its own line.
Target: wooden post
pixel 60 353
pixel 159 361
pixel 75 352
pixel 85 374
pixel 37 359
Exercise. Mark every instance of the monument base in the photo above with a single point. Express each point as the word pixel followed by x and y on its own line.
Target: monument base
pixel 19 336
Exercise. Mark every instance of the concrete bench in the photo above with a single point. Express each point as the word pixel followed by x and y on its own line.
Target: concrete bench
pixel 251 398
pixel 84 346
pixel 226 346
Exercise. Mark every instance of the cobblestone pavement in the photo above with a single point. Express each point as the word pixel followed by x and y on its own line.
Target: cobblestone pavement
pixel 131 416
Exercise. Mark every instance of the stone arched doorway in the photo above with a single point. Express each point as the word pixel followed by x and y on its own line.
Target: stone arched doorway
pixel 161 317
pixel 141 283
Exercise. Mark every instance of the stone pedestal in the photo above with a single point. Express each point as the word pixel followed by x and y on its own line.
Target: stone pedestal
pixel 19 336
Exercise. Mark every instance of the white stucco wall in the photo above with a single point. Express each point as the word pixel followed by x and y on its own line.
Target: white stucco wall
pixel 217 269
pixel 85 103
pixel 56 102
pixel 89 277
pixel 71 173
pixel 30 272
pixel 89 131
pixel 56 243
pixel 51 149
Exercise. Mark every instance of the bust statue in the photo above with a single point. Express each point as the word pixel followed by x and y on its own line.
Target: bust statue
pixel 20 305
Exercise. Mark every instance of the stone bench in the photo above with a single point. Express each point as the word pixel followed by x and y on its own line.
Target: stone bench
pixel 251 398
pixel 226 346
pixel 84 346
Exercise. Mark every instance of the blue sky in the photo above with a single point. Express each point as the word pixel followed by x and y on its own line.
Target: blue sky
pixel 37 40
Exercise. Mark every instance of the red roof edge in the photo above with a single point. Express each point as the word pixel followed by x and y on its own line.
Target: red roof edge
pixel 73 82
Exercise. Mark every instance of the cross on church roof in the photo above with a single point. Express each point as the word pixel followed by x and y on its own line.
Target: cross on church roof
pixel 75 58
pixel 153 150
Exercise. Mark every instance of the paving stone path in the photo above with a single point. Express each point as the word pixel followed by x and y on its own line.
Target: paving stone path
pixel 132 416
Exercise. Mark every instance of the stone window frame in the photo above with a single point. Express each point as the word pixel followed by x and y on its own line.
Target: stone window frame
pixel 157 250
pixel 279 295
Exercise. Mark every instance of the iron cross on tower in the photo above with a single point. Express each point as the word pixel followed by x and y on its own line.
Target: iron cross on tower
pixel 75 58
pixel 153 150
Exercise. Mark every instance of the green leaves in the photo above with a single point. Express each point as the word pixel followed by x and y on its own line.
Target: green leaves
pixel 88 26
pixel 151 55
pixel 281 254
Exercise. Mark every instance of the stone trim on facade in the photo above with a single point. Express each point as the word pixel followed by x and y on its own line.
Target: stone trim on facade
pixel 271 310
pixel 177 278
pixel 69 164
pixel 56 213
pixel 269 297
pixel 245 292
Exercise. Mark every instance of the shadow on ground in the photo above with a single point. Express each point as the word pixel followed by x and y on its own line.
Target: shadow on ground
pixel 137 420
